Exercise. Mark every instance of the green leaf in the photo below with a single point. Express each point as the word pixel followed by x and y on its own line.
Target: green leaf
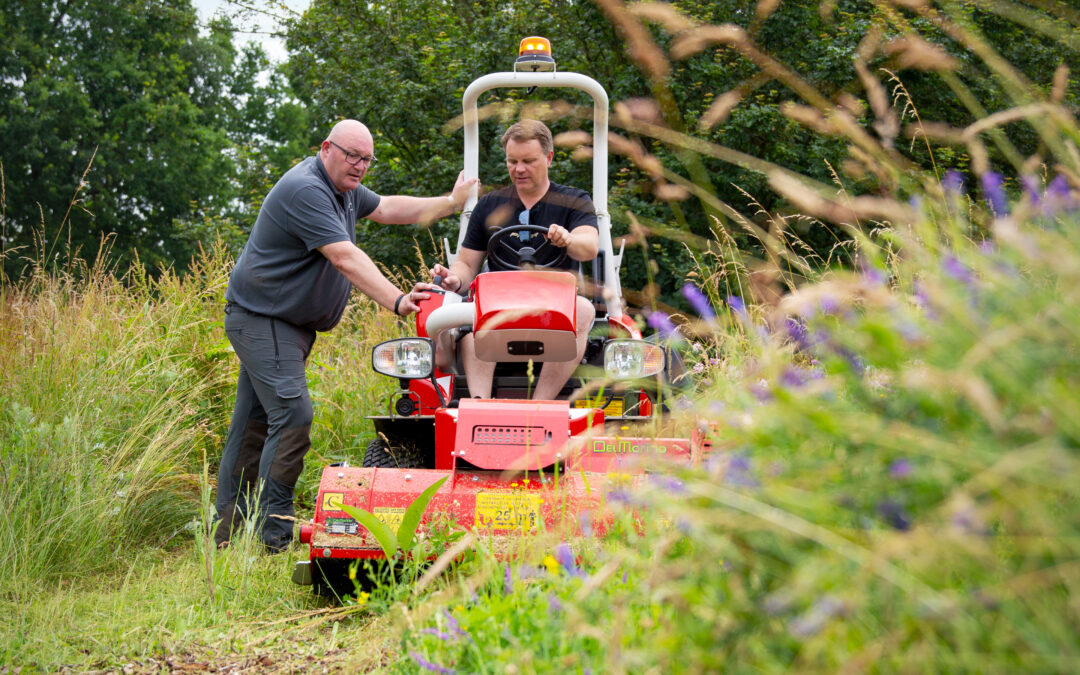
pixel 406 533
pixel 383 534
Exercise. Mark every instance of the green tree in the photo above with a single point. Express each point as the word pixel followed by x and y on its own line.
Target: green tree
pixel 150 123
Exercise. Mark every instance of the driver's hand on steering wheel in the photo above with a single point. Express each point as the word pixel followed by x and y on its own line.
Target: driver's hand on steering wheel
pixel 558 235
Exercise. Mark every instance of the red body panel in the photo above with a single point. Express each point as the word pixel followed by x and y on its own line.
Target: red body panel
pixel 553 294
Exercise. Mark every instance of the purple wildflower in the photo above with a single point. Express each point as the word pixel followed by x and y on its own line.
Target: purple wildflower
pixel 699 302
pixel 737 305
pixel 1031 189
pixel 793 377
pixel 619 496
pixel 565 556
pixel 661 322
pixel 585 523
pixel 453 624
pixel 796 330
pixel 761 391
pixel 953 182
pixel 813 620
pixel 900 468
pixel 669 483
pixel 739 472
pixel 829 305
pixel 895 515
pixel 508 581
pixel 438 634
pixel 957 270
pixel 428 665
pixel 685 526
pixel 992 182
pixel 554 606
pixel 1057 197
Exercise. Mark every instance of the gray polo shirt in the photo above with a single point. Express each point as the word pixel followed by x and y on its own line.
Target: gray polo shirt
pixel 280 273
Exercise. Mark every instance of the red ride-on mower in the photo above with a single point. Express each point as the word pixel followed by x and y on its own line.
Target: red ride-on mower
pixel 512 464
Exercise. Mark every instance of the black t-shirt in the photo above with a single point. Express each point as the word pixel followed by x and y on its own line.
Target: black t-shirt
pixel 562 205
pixel 281 273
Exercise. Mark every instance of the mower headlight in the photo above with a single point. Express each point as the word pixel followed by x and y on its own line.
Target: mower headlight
pixel 410 358
pixel 631 359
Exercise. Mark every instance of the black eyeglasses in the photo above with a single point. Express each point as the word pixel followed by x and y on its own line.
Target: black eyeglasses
pixel 354 158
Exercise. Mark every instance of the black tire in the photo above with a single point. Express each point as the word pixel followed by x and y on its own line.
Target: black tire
pixel 381 456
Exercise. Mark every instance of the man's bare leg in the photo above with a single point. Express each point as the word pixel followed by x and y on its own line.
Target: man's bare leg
pixel 478 374
pixel 555 373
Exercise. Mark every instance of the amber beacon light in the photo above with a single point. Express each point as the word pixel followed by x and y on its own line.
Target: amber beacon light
pixel 535 54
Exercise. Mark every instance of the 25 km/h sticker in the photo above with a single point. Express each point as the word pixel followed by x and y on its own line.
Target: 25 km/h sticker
pixel 507 511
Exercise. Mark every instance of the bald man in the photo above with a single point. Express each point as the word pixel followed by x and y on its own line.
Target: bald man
pixel 291 281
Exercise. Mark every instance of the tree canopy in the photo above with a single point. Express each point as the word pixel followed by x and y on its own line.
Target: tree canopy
pixel 124 123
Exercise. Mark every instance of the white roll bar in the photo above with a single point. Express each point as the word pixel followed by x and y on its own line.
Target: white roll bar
pixel 612 288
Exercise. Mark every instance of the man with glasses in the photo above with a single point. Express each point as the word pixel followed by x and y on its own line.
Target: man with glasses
pixel 530 199
pixel 292 280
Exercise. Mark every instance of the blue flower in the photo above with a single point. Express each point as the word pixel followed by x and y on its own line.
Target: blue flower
pixel 992 182
pixel 699 302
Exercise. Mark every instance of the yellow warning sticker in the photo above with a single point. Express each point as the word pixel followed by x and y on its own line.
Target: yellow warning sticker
pixel 507 511
pixel 391 516
pixel 332 501
pixel 612 409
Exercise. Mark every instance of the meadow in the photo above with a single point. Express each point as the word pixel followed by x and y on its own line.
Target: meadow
pixel 892 487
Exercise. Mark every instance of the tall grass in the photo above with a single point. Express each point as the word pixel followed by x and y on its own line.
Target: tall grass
pixel 115 396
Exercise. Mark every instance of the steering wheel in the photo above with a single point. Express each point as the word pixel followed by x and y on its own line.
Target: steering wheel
pixel 526 255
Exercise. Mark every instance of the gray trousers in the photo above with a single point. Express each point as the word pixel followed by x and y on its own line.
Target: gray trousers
pixel 271 424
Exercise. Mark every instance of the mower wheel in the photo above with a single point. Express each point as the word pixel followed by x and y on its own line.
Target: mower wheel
pixel 380 455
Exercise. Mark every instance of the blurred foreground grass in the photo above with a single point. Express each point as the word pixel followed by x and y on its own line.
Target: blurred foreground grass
pixel 893 482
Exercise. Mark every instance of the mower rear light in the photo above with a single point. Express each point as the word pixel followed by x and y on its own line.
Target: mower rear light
pixel 409 358
pixel 632 359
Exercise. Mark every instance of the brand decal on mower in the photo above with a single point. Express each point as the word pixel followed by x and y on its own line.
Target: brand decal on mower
pixel 391 516
pixel 332 501
pixel 625 446
pixel 507 511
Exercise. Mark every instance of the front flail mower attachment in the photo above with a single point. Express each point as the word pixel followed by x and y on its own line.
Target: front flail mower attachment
pixel 513 468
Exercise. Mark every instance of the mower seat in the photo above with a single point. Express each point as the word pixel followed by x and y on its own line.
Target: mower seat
pixel 525 315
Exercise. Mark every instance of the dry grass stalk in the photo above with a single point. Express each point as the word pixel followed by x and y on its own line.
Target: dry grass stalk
pixel 639 44
pixel 663 14
pixel 911 51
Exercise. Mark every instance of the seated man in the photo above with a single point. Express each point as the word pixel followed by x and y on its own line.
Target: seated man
pixel 570 217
